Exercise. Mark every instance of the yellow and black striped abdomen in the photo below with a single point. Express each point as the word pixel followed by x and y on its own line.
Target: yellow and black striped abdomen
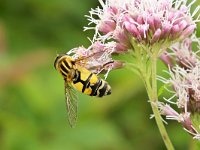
pixel 89 83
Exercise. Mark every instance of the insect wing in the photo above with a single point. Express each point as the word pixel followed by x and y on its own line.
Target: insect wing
pixel 97 67
pixel 71 103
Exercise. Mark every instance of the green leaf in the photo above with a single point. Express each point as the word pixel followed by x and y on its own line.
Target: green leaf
pixel 161 90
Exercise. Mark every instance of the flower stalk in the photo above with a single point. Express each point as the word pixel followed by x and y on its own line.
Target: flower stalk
pixel 141 67
pixel 154 100
pixel 145 65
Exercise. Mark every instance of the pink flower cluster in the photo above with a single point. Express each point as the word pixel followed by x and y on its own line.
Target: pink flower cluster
pixel 96 58
pixel 122 25
pixel 181 54
pixel 146 21
pixel 185 81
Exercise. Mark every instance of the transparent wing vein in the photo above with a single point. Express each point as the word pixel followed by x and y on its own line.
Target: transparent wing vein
pixel 71 103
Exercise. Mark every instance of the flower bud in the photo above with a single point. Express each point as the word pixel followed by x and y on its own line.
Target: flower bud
pixel 189 30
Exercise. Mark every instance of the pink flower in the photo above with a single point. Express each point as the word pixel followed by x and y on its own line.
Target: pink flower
pixel 97 58
pixel 182 54
pixel 147 22
pixel 186 87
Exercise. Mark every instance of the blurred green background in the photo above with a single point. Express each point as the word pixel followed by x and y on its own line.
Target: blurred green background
pixel 32 104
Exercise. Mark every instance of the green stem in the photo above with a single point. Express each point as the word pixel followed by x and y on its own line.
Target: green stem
pixel 152 93
pixel 150 82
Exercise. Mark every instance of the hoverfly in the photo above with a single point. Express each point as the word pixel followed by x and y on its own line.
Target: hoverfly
pixel 78 78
